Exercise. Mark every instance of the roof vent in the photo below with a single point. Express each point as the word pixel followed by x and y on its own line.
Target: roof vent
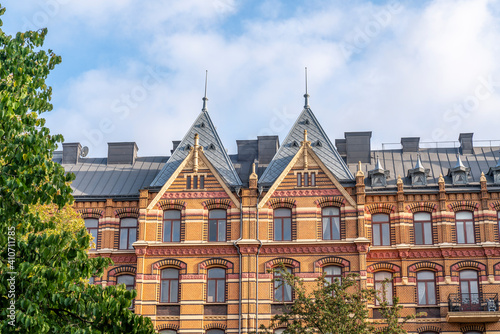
pixel 306 122
pixel 188 147
pixel 211 147
pixel 202 125
pixel 318 144
pixel 294 144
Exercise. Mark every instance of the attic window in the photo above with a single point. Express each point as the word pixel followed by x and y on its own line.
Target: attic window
pixel 318 144
pixel 211 147
pixel 202 125
pixel 306 122
pixel 188 147
pixel 295 144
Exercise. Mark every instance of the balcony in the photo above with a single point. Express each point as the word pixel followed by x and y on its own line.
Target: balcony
pixel 473 307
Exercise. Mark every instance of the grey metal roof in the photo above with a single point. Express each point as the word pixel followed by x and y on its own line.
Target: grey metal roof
pixel 290 146
pixel 212 148
pixel 94 177
pixel 438 160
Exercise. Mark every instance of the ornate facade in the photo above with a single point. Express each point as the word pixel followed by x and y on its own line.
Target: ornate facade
pixel 195 233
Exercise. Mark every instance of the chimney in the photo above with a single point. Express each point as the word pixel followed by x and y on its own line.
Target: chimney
pixel 122 153
pixel 247 150
pixel 267 148
pixel 466 146
pixel 71 153
pixel 175 143
pixel 358 146
pixel 410 144
pixel 341 147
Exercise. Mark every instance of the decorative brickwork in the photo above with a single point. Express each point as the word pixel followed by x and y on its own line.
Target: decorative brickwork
pixel 421 206
pixel 287 262
pixel 277 203
pixel 337 201
pixel 332 260
pixel 428 329
pixel 91 213
pixel 126 213
pixel 214 262
pixel 217 203
pixel 380 208
pixel 120 270
pixel 174 327
pixel 215 325
pixel 463 206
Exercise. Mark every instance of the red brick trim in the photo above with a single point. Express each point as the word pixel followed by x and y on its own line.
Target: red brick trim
pixel 463 206
pixel 91 213
pixel 380 208
pixel 337 201
pixel 421 206
pixel 171 204
pixel 127 213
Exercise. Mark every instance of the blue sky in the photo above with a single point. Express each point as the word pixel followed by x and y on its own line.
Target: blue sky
pixel 134 70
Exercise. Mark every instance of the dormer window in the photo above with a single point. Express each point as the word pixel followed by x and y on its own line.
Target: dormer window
pixel 195 181
pixel 318 144
pixel 378 175
pixel 418 175
pixel 211 147
pixel 306 122
pixel 495 173
pixel 459 174
pixel 306 179
pixel 294 144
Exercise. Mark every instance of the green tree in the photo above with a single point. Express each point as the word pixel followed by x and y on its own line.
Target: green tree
pixel 44 263
pixel 331 308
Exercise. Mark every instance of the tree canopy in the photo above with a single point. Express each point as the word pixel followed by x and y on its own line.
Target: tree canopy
pixel 334 307
pixel 44 265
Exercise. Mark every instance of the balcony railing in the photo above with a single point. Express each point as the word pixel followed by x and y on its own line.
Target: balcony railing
pixel 475 302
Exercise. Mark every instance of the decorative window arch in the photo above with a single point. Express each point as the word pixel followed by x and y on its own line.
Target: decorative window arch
pixel 333 202
pixel 120 271
pixel 381 228
pixel 428 329
pixel 212 205
pixel 166 263
pixel 463 206
pixel 287 262
pixel 91 213
pixel 173 327
pixel 421 207
pixel 472 328
pixel 215 325
pixel 127 213
pixel 171 204
pixel 380 208
pixel 217 203
pixel 282 202
pixel 425 265
pixel 383 266
pixel 278 204
pixel 337 201
pixel 469 265
pixel 332 261
pixel 424 231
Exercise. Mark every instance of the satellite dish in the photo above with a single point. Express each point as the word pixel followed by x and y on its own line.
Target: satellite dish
pixel 84 152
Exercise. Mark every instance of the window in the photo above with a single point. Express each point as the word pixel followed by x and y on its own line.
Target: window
pixel 217 225
pixel 168 331
pixel 469 290
pixel 465 227
pixel 279 330
pixel 169 292
pixel 381 230
pixel 426 286
pixel 198 182
pixel 92 226
pixel 283 225
pixel 92 280
pixel 215 331
pixel 422 227
pixel 128 280
pixel 216 291
pixel 331 223
pixel 128 232
pixel 306 179
pixel 282 291
pixel 333 274
pixel 380 280
pixel 172 226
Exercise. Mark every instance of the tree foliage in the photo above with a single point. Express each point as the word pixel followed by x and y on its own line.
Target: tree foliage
pixel 331 308
pixel 44 265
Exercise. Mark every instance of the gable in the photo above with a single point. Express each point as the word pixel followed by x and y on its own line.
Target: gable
pixel 320 144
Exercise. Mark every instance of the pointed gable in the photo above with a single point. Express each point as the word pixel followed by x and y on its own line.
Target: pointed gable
pixel 320 144
pixel 212 148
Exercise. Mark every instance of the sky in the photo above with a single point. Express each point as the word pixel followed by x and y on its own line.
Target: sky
pixel 135 70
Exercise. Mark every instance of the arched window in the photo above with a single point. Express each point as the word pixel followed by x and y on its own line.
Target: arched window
pixel 216 285
pixel 169 285
pixel 422 228
pixel 167 331
pixel 381 232
pixel 92 226
pixel 215 331
pixel 172 226
pixel 331 223
pixel 469 290
pixel 384 278
pixel 426 286
pixel 128 232
pixel 279 330
pixel 333 274
pixel 282 224
pixel 282 291
pixel 128 280
pixel 217 225
pixel 464 223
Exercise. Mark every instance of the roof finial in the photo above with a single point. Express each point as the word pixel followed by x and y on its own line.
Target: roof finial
pixel 306 96
pixel 205 99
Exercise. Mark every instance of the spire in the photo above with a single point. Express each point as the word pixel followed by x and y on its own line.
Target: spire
pixel 360 170
pixel 419 162
pixel 459 162
pixel 306 96
pixel 205 99
pixel 378 165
